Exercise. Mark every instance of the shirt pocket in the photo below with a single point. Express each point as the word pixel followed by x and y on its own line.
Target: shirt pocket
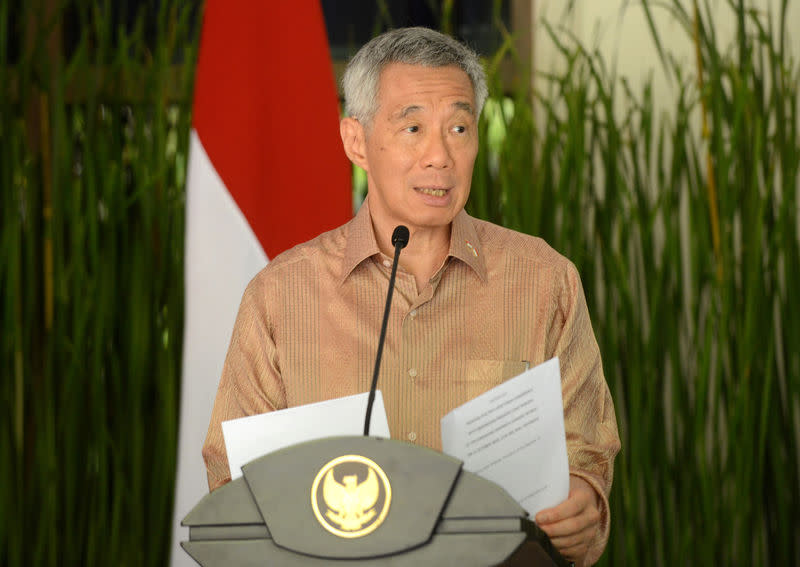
pixel 480 376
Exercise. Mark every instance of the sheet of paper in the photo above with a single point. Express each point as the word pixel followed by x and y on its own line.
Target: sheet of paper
pixel 254 436
pixel 514 435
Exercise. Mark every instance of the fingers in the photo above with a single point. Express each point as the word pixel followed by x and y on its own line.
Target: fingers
pixel 573 529
pixel 573 524
pixel 572 536
pixel 562 524
pixel 576 504
pixel 574 546
pixel 569 508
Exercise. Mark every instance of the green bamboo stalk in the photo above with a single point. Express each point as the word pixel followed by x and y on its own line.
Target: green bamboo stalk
pixel 712 191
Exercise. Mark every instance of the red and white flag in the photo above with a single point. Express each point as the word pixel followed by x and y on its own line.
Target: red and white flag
pixel 266 172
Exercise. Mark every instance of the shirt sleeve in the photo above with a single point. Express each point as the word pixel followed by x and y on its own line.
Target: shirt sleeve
pixel 251 381
pixel 589 418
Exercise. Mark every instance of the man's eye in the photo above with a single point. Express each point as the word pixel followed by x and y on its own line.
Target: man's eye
pixel 412 129
pixel 459 129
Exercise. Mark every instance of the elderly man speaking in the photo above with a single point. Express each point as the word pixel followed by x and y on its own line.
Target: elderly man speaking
pixel 475 303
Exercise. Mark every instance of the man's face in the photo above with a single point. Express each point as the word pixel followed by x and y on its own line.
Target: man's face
pixel 421 146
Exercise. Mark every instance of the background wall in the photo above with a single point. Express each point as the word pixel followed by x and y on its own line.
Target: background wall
pixel 620 31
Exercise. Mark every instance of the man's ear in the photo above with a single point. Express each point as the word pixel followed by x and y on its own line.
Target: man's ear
pixel 354 141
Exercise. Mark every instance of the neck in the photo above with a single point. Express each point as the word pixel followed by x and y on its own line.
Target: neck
pixel 426 251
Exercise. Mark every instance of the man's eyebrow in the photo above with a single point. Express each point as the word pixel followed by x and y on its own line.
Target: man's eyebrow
pixel 405 112
pixel 465 106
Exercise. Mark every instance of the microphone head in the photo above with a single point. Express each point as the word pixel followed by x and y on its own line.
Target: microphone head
pixel 400 236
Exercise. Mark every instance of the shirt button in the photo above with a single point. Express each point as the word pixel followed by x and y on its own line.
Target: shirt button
pixel 413 313
pixel 412 372
pixel 387 263
pixel 412 436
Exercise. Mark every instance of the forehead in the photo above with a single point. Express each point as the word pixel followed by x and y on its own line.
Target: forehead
pixel 401 85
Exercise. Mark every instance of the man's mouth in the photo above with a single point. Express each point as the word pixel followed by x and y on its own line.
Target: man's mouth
pixel 433 191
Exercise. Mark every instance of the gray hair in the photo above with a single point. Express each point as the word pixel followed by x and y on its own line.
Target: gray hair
pixel 413 46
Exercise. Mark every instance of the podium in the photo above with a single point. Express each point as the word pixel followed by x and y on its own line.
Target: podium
pixel 362 501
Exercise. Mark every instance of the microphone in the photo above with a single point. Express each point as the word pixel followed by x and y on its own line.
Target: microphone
pixel 400 238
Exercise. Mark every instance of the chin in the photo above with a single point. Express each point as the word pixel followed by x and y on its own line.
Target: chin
pixel 433 221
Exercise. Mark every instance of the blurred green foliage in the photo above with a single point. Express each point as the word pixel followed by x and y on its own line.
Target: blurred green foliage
pixel 684 222
pixel 92 166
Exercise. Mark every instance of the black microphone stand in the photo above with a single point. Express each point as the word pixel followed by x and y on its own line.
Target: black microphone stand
pixel 399 240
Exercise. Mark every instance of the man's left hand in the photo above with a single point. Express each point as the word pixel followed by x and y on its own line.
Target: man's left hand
pixel 573 524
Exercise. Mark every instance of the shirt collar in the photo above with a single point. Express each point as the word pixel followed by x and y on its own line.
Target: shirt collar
pixel 465 244
pixel 361 243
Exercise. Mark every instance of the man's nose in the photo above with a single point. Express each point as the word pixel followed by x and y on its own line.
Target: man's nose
pixel 437 152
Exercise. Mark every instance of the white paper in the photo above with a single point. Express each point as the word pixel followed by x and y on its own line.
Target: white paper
pixel 254 436
pixel 514 436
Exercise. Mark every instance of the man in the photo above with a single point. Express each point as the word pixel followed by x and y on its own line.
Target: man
pixel 474 304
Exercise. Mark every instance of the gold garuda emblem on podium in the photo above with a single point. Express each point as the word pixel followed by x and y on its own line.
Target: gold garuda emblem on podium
pixel 351 496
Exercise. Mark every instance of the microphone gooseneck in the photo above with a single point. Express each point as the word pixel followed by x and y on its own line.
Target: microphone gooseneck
pixel 400 238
